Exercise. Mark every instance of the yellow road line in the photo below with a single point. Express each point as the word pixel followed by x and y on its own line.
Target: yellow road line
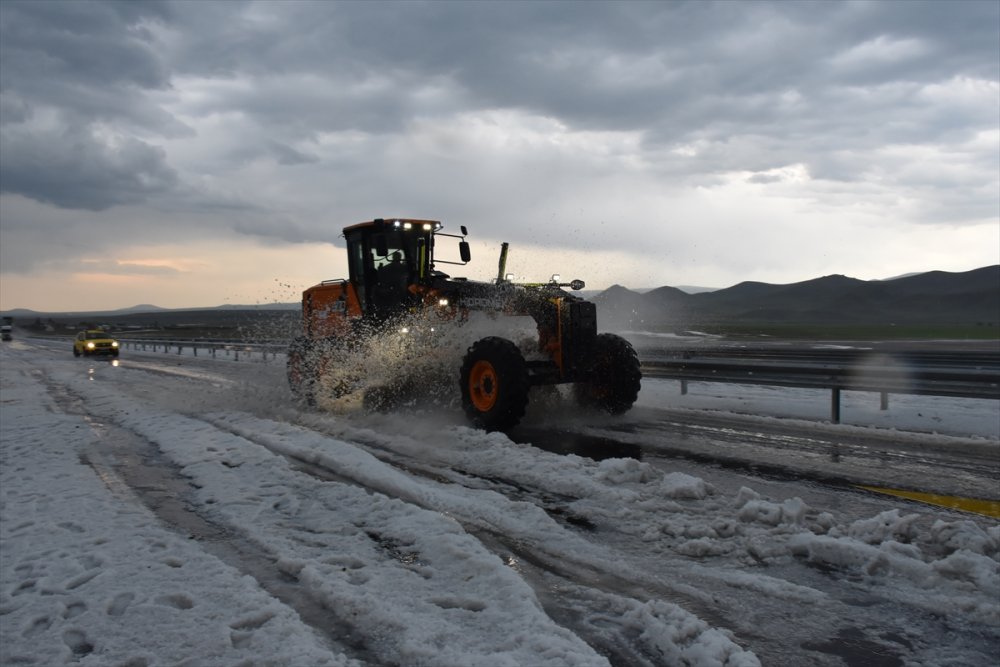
pixel 989 508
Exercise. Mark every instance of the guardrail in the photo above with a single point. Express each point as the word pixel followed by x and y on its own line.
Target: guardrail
pixel 957 374
pixel 213 349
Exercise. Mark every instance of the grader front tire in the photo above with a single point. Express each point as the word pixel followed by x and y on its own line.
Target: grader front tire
pixel 494 384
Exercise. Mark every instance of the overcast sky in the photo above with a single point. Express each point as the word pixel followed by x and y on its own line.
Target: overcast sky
pixel 199 153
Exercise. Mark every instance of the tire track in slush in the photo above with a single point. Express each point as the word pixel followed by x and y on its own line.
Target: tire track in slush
pixel 558 576
pixel 578 593
pixel 137 472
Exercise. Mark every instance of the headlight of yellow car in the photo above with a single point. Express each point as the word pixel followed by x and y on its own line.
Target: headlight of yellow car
pixel 90 346
pixel 114 343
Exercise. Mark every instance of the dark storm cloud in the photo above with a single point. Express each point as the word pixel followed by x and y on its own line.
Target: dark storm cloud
pixel 626 66
pixel 87 60
pixel 97 97
pixel 605 65
pixel 72 169
pixel 676 72
pixel 72 80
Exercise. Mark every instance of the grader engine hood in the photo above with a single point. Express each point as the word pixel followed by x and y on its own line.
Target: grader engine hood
pixel 479 296
pixel 504 297
pixel 567 324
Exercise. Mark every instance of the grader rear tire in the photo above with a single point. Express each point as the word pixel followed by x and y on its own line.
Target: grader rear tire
pixel 494 384
pixel 614 378
pixel 301 371
pixel 321 369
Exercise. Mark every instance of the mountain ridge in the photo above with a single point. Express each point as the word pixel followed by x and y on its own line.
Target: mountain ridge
pixel 927 298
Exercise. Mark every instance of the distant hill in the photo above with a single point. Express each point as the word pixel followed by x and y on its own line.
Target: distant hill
pixel 144 309
pixel 141 308
pixel 936 297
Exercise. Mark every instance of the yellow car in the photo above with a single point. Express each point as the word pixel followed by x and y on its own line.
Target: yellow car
pixel 94 341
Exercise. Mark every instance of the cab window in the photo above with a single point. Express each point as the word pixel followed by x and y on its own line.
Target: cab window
pixel 398 250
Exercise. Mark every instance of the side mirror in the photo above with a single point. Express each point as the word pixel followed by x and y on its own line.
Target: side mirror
pixel 381 245
pixel 463 250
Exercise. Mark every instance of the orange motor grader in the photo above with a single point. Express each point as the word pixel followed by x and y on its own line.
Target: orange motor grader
pixel 395 286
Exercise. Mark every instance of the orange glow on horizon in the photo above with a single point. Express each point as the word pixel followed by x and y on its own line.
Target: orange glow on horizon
pixel 110 278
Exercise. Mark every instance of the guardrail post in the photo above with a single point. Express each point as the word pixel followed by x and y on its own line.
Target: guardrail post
pixel 884 403
pixel 194 349
pixel 835 405
pixel 684 387
pixel 213 351
pixel 179 348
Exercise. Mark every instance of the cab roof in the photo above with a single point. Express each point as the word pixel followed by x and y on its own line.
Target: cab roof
pixel 389 222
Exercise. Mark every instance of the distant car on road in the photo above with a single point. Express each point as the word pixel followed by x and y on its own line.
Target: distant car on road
pixel 94 341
